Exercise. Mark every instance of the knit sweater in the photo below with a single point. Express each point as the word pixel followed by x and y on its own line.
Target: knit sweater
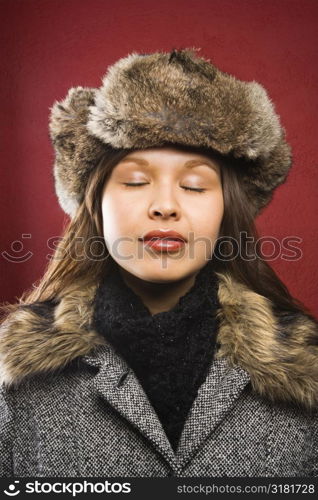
pixel 170 352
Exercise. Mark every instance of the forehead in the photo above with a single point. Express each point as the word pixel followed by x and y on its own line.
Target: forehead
pixel 172 155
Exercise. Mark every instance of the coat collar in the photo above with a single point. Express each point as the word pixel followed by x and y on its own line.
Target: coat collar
pixel 117 383
pixel 279 352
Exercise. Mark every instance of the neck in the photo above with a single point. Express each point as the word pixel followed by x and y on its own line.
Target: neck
pixel 158 297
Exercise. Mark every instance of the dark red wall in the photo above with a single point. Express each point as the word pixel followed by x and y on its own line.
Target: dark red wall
pixel 49 46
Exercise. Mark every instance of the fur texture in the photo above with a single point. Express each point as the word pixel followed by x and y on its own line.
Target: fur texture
pixel 280 352
pixel 149 100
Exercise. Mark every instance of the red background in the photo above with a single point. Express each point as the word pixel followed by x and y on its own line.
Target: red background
pixel 49 46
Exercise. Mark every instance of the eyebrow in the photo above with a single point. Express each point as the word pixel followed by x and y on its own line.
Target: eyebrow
pixel 188 164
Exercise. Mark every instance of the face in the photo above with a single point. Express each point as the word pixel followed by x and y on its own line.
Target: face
pixel 162 189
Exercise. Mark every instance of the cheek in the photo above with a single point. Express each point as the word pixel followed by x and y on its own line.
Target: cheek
pixel 207 216
pixel 114 213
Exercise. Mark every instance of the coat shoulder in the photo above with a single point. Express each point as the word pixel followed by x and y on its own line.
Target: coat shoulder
pixel 46 337
pixel 279 349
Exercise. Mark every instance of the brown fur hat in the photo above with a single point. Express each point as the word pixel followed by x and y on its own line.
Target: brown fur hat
pixel 149 100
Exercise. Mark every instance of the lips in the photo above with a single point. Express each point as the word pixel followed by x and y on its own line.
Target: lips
pixel 166 235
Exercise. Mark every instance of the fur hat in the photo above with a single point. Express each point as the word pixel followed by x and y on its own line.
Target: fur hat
pixel 149 100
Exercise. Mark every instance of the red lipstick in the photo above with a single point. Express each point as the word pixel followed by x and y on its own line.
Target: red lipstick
pixel 164 240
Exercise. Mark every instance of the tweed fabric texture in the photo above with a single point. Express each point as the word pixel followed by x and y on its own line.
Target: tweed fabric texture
pixel 170 351
pixel 87 422
pixel 70 404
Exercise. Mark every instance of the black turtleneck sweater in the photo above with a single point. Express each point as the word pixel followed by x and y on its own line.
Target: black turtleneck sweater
pixel 171 351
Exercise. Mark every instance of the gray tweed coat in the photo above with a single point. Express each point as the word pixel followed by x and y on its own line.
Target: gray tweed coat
pixel 70 406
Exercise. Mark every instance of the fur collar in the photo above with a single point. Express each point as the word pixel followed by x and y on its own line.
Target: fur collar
pixel 279 351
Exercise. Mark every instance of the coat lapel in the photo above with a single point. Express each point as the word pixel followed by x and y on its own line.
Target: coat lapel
pixel 215 398
pixel 119 386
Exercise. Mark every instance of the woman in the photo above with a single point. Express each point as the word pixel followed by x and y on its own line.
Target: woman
pixel 156 344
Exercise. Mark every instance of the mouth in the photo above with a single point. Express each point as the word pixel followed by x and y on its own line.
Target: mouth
pixel 164 238
pixel 166 244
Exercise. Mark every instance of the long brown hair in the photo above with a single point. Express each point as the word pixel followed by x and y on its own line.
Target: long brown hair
pixel 71 266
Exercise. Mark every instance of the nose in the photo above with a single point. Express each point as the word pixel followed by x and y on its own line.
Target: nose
pixel 163 213
pixel 164 206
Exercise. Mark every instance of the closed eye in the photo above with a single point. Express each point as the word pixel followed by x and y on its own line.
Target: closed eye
pixel 198 190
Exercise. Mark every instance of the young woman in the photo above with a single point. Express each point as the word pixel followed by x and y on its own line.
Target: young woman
pixel 158 343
